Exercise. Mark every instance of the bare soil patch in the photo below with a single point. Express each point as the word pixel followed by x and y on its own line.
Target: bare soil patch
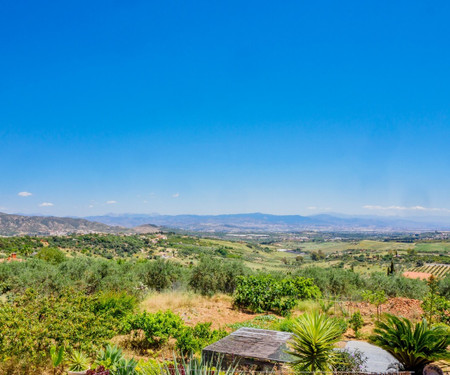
pixel 194 308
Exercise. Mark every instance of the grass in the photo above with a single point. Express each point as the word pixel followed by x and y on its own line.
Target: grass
pixel 261 322
pixel 432 247
pixel 178 300
pixel 307 306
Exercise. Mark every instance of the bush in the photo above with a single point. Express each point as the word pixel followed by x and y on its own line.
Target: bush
pixel 334 281
pixel 193 340
pixel 51 255
pixel 158 328
pixel 346 361
pixel 356 322
pixel 397 285
pixel 115 304
pixel 33 323
pixel 211 276
pixel 444 287
pixel 264 293
pixel 160 274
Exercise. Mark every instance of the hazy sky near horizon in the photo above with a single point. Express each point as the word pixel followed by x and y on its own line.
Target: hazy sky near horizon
pixel 225 107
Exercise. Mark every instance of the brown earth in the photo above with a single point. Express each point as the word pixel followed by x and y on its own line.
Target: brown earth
pixel 405 307
pixel 417 275
pixel 195 309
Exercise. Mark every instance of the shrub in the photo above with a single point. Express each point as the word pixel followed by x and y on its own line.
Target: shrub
pixel 115 304
pixel 396 285
pixel 160 274
pixel 334 281
pixel 375 298
pixel 264 293
pixel 346 361
pixel 31 324
pixel 52 255
pixel 193 340
pixel 211 276
pixel 444 286
pixel 356 322
pixel 158 328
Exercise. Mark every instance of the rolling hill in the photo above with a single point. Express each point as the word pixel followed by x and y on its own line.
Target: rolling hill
pixel 14 225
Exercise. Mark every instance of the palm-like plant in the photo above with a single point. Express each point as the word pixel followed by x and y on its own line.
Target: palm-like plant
pixel 414 346
pixel 313 342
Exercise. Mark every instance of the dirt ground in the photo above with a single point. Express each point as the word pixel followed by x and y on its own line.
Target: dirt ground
pixel 219 308
pixel 405 307
pixel 195 309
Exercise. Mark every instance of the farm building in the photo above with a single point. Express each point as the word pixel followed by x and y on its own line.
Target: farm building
pixel 258 349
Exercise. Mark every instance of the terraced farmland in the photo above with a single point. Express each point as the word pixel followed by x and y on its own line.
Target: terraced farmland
pixel 438 270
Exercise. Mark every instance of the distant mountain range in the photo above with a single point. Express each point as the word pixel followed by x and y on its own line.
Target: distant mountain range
pixel 14 225
pixel 258 222
pixel 11 225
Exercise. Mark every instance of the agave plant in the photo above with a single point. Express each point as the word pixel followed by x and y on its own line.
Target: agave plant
pixel 313 342
pixel 414 346
pixel 190 366
pixel 111 357
pixel 126 367
pixel 78 361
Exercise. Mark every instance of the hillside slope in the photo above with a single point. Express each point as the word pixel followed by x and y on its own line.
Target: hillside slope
pixel 13 225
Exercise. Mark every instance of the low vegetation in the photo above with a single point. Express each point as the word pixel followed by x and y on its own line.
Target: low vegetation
pixel 71 297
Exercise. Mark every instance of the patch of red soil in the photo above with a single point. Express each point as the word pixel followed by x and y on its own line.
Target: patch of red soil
pixel 405 307
pixel 417 275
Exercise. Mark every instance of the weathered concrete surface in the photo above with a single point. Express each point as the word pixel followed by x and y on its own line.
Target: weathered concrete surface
pixel 378 360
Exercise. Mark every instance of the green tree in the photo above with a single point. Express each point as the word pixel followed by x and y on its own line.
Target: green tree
pixel 52 255
pixel 160 274
pixel 436 308
pixel 375 298
pixel 312 346
pixel 211 276
pixel 414 346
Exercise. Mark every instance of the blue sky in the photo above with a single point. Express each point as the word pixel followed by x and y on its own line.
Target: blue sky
pixel 225 107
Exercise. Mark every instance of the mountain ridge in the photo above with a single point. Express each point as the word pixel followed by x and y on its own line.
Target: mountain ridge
pixel 268 222
pixel 16 225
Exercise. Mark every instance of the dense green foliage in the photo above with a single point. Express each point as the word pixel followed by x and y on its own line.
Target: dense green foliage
pixel 160 274
pixel 159 327
pixel 265 293
pixel 212 276
pixel 32 323
pixel 347 283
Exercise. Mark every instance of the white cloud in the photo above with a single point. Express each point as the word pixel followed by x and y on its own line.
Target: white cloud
pixel 91 206
pixel 46 204
pixel 176 195
pixel 111 202
pixel 24 194
pixel 405 208
pixel 312 208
